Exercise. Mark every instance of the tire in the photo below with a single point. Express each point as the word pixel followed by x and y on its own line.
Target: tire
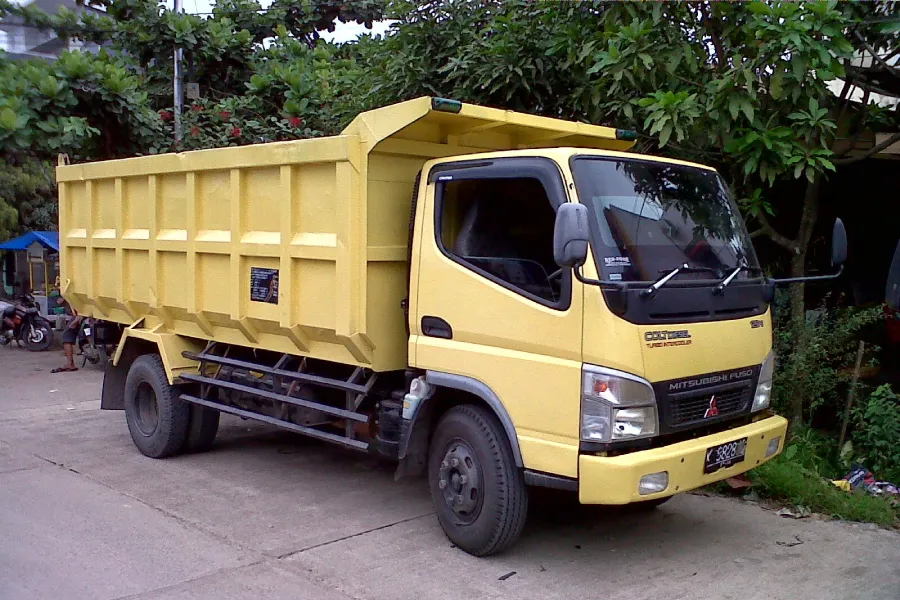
pixel 43 338
pixel 484 513
pixel 648 505
pixel 157 418
pixel 204 424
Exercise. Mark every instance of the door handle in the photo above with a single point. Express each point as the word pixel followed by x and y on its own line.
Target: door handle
pixel 436 327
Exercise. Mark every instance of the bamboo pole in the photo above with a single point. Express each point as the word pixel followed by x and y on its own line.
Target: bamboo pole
pixel 851 394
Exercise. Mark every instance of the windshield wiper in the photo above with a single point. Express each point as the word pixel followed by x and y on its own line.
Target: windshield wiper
pixel 685 268
pixel 734 273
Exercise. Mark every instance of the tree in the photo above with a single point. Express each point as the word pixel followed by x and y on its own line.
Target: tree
pixel 263 74
pixel 27 197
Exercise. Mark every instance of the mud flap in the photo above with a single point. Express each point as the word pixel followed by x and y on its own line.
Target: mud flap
pixel 112 397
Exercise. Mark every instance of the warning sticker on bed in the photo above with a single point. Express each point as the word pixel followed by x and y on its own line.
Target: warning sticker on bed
pixel 264 285
pixel 617 261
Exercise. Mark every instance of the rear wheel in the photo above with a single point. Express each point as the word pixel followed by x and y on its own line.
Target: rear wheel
pixel 478 491
pixel 157 418
pixel 202 429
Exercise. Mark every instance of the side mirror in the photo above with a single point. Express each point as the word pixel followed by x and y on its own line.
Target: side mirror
pixel 570 235
pixel 892 292
pixel 838 244
pixel 838 257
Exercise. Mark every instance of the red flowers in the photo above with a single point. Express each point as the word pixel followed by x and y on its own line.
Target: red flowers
pixel 236 132
pixel 196 107
pixel 195 131
pixel 166 115
pixel 225 115
pixel 296 122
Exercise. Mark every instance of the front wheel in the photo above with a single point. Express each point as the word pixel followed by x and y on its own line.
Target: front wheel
pixel 478 491
pixel 646 505
pixel 37 338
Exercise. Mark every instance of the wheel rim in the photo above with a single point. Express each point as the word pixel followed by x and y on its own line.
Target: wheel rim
pixel 146 414
pixel 460 481
pixel 37 336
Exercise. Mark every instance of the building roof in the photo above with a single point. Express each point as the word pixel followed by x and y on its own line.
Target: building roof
pixel 47 239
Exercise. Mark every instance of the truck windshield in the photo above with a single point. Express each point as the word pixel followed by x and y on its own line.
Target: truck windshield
pixel 648 218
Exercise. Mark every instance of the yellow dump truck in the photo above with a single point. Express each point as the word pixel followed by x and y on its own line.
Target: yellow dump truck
pixel 493 299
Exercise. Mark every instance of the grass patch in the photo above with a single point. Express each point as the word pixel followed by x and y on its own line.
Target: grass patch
pixel 790 482
pixel 801 476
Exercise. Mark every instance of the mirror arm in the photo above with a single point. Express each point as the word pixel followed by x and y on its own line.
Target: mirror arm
pixel 810 278
pixel 598 282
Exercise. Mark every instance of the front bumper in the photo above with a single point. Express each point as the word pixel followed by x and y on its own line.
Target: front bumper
pixel 614 480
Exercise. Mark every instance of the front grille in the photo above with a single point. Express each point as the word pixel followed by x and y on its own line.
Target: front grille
pixel 691 409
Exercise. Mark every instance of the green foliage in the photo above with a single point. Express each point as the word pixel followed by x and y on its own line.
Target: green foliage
pixel 814 358
pixel 802 474
pixel 876 433
pixel 84 105
pixel 816 452
pixel 670 112
pixel 786 480
pixel 27 197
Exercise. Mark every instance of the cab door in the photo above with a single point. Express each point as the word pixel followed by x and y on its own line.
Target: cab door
pixel 490 304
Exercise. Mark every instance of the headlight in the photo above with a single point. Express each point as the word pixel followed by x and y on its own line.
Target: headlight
pixel 764 388
pixel 616 406
pixel 634 422
pixel 595 417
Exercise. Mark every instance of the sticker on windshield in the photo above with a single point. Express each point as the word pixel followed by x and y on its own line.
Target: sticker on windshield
pixel 615 277
pixel 617 261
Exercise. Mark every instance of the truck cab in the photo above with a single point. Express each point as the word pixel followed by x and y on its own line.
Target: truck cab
pixel 628 372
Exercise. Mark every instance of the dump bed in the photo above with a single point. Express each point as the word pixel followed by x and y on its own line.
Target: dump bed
pixel 296 247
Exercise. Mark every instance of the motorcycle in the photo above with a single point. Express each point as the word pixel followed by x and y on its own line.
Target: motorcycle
pixel 21 322
pixel 91 342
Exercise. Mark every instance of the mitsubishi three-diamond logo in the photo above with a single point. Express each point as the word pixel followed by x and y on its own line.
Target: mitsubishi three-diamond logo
pixel 713 410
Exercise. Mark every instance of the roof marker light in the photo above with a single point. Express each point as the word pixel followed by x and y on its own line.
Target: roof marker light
pixel 446 105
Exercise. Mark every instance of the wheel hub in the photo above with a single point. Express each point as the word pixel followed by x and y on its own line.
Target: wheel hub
pixel 147 413
pixel 460 481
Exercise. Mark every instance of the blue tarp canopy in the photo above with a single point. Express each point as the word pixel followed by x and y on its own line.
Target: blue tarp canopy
pixel 47 239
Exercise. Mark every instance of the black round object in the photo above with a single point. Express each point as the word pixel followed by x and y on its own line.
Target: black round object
pixel 648 504
pixel 478 491
pixel 40 340
pixel 202 429
pixel 157 418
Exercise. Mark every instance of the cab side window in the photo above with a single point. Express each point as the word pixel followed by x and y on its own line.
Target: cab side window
pixel 503 230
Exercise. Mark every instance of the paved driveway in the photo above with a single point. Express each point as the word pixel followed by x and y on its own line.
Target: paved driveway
pixel 271 515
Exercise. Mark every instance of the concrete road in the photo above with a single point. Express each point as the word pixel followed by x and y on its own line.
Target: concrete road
pixel 271 515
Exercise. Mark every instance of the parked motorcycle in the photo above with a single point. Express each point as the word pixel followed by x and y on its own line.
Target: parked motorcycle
pixel 21 322
pixel 91 342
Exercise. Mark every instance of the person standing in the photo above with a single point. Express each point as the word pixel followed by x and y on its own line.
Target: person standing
pixel 69 337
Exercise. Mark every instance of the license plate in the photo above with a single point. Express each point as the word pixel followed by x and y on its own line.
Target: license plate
pixel 725 455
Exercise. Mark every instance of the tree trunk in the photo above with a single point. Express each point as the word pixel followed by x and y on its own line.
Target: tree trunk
pixel 798 269
pixel 797 290
pixel 798 320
